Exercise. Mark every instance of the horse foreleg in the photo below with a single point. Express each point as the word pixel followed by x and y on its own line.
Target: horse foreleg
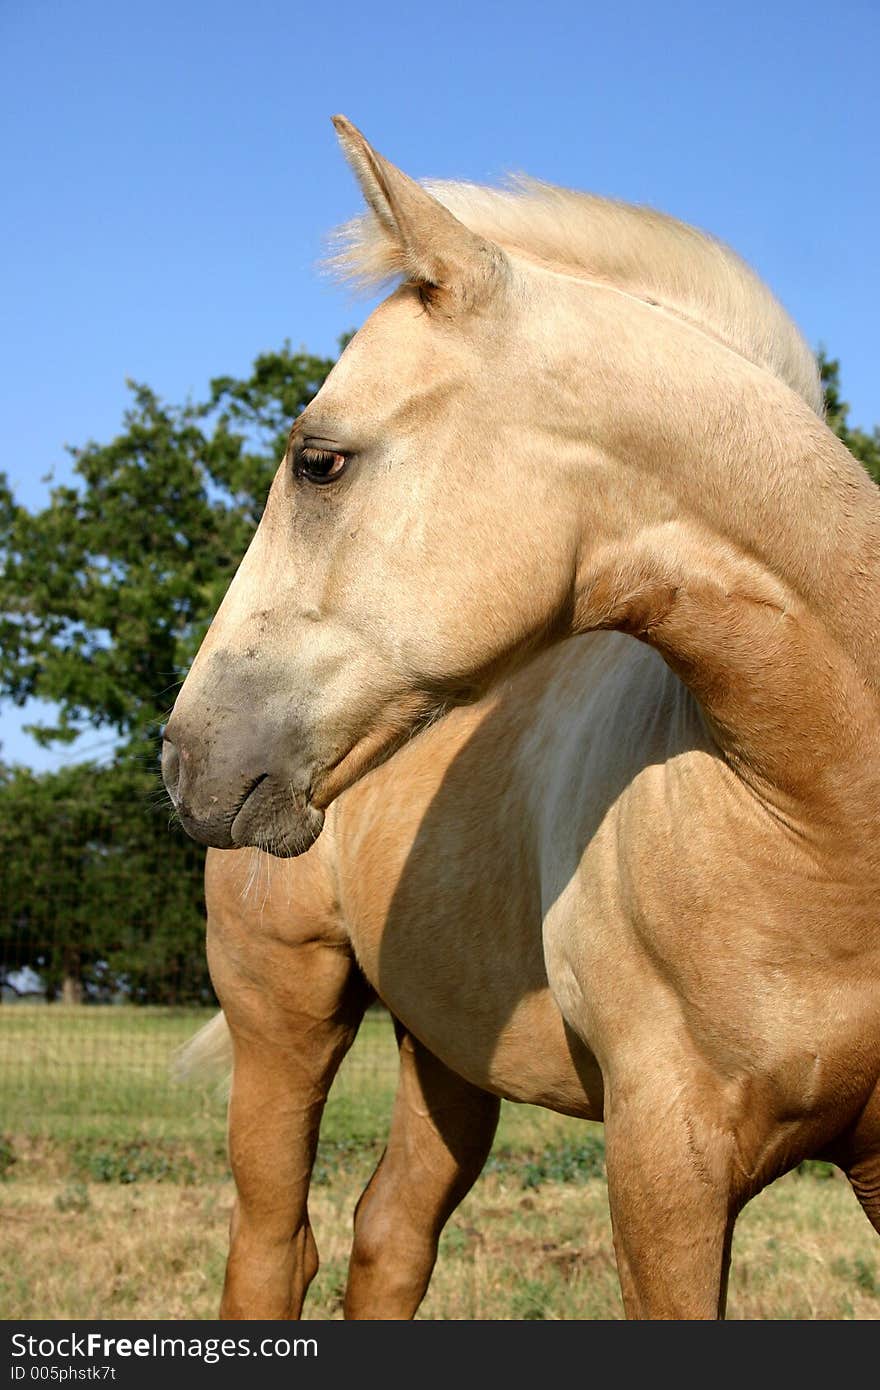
pixel 293 998
pixel 285 1062
pixel 441 1133
pixel 669 1187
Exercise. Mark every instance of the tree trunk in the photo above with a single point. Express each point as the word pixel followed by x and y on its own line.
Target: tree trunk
pixel 71 990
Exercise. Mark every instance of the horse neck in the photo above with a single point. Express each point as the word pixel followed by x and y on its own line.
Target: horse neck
pixel 750 557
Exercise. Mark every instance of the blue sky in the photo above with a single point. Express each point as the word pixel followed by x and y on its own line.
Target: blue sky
pixel 170 171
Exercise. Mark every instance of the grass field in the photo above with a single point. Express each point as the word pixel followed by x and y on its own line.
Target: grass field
pixel 115 1194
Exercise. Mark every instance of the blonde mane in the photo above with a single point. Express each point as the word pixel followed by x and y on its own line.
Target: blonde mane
pixel 645 253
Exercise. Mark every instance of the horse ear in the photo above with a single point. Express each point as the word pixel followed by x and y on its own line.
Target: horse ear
pixel 436 250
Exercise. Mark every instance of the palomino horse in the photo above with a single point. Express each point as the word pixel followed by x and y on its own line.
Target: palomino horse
pixel 649 872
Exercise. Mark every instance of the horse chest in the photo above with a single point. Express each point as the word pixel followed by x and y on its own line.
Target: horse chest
pixel 679 921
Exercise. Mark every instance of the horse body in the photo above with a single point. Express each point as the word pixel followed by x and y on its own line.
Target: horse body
pixel 471 889
pixel 426 873
pixel 644 873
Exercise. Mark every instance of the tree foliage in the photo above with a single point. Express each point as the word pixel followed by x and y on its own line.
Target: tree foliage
pixel 99 895
pixel 865 447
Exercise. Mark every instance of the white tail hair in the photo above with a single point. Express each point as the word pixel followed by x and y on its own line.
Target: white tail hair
pixel 208 1055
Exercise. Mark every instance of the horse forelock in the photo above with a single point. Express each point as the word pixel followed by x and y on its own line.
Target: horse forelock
pixel 637 249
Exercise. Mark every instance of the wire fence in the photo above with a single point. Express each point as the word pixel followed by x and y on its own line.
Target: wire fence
pixel 70 1069
pixel 103 975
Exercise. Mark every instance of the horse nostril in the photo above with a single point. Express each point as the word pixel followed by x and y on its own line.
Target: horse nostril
pixel 170 769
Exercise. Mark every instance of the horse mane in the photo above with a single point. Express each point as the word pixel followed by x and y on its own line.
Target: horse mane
pixel 645 253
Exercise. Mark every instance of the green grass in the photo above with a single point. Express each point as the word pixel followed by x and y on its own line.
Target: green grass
pixel 73 1072
pixel 90 1093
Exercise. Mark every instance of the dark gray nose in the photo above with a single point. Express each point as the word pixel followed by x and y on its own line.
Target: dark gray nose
pixel 211 787
pixel 227 792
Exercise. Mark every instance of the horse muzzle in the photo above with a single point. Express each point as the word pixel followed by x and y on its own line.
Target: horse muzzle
pixel 233 799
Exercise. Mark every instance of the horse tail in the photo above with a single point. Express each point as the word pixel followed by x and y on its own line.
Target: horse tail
pixel 208 1055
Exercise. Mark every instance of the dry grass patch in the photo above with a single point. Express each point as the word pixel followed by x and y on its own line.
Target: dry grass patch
pixel 151 1250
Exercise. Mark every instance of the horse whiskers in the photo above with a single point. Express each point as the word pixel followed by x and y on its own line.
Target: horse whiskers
pixel 174 685
pixel 427 720
pixel 268 866
pixel 251 883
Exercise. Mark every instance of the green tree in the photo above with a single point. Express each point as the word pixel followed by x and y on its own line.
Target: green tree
pixel 865 447
pixel 99 896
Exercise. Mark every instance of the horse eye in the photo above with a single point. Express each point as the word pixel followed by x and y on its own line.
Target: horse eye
pixel 320 465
